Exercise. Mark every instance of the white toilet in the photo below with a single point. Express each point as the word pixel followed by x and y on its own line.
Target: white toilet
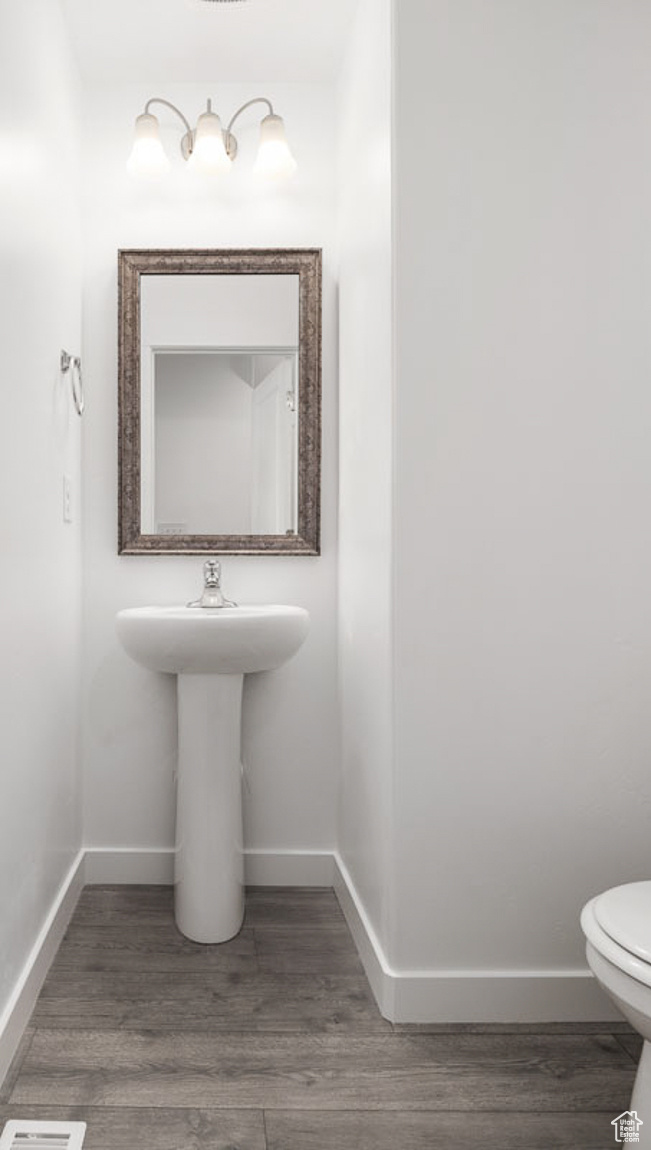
pixel 617 926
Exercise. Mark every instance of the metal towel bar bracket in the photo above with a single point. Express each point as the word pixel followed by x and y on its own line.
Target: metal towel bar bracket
pixel 72 363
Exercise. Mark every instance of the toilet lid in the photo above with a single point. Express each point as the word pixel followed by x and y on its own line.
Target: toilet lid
pixel 624 913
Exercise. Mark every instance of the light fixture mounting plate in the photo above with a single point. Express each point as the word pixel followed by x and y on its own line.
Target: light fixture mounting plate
pixel 187 144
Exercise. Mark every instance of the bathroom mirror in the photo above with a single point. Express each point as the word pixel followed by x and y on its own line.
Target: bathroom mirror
pixel 219 401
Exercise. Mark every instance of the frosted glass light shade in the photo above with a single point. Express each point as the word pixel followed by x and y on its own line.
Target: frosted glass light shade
pixel 274 160
pixel 209 154
pixel 147 159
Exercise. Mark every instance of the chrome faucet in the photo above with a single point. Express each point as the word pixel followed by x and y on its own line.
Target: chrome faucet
pixel 213 595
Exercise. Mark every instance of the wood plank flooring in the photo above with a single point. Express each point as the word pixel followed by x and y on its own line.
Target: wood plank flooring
pixel 273 1042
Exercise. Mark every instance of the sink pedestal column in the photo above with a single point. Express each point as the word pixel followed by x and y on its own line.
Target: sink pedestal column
pixel 209 861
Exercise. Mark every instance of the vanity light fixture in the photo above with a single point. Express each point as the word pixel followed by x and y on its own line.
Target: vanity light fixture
pixel 209 148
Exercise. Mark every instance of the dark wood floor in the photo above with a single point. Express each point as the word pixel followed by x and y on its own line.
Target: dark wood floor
pixel 273 1042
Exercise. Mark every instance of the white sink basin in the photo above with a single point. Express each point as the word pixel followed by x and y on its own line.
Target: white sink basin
pixel 210 650
pixel 222 641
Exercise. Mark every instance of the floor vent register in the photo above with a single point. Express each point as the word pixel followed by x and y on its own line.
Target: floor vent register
pixel 43 1136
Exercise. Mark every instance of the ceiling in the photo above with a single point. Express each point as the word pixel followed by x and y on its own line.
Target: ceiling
pixel 178 41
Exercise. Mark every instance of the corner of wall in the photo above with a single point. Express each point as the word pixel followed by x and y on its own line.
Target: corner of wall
pixel 458 996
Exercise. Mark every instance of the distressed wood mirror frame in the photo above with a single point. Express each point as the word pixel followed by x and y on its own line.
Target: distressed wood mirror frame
pixel 132 265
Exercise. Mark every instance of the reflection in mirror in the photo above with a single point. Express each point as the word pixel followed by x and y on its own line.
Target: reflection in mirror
pixel 219 445
pixel 220 401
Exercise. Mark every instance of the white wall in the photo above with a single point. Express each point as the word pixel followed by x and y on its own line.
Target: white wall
pixel 213 311
pixel 40 312
pixel 365 511
pixel 523 471
pixel 203 445
pixel 290 722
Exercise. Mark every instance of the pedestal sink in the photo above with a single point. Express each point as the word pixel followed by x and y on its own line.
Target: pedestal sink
pixel 210 650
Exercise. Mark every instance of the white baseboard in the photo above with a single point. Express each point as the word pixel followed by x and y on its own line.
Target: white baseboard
pixel 289 868
pixel 261 867
pixel 16 1013
pixel 515 996
pixel 468 996
pixel 126 866
pixel 367 943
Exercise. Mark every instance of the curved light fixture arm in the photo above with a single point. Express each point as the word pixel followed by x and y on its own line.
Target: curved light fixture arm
pixel 187 141
pixel 256 100
pixel 159 100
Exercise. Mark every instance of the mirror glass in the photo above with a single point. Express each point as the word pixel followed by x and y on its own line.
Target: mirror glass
pixel 219 388
pixel 219 402
pixel 219 443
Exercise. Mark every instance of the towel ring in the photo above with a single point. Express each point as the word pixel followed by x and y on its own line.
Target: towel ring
pixel 72 363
